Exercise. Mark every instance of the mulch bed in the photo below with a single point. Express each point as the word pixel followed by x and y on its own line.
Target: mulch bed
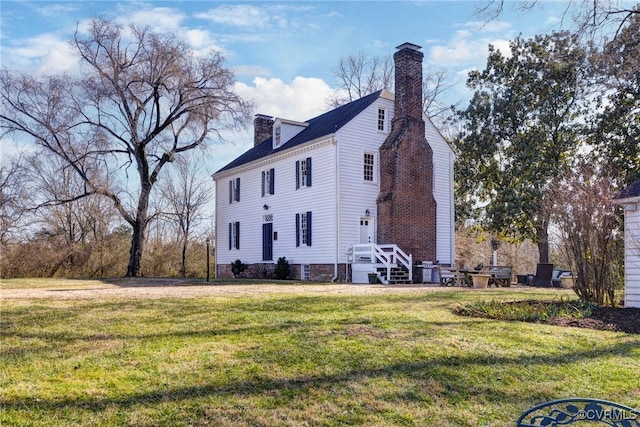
pixel 605 319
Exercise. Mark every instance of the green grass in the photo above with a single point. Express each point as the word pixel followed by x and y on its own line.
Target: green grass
pixel 289 360
pixel 527 310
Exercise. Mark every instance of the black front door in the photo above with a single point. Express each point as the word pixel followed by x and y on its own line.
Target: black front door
pixel 267 241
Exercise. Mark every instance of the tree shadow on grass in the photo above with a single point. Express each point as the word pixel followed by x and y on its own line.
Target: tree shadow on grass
pixel 448 372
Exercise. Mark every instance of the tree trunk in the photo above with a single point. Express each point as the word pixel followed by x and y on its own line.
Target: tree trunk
pixel 135 253
pixel 138 235
pixel 184 258
pixel 542 238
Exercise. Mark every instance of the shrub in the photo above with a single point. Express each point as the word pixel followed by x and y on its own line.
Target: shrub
pixel 237 267
pixel 283 269
pixel 526 311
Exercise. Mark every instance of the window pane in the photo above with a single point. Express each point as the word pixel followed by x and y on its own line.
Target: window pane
pixel 368 167
pixel 380 118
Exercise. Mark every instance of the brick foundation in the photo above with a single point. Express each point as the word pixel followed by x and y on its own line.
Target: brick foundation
pixel 317 272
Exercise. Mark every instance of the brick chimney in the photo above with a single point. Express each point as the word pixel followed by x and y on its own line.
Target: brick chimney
pixel 262 128
pixel 406 206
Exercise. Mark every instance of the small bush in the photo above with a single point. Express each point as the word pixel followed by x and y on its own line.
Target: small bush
pixel 526 311
pixel 237 267
pixel 283 269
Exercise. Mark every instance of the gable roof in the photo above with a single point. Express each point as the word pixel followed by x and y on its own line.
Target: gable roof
pixel 324 124
pixel 632 191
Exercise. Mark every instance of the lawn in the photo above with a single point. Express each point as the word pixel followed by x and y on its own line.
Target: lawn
pixel 294 359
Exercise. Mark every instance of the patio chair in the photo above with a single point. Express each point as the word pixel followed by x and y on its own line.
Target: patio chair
pixel 543 276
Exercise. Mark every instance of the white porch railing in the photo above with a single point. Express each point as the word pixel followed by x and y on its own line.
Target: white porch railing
pixel 382 256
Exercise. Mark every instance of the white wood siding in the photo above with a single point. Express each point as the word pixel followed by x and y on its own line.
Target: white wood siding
pixel 443 162
pixel 355 195
pixel 632 257
pixel 283 205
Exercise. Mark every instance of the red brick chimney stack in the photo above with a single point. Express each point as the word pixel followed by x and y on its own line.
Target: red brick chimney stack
pixel 406 206
pixel 262 128
pixel 408 84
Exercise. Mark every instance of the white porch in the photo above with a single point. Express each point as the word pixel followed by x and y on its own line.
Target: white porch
pixel 388 262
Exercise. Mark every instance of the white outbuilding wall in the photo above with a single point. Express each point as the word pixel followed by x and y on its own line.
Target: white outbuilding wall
pixel 632 254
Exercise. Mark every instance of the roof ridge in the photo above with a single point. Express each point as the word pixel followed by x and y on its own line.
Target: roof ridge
pixel 319 126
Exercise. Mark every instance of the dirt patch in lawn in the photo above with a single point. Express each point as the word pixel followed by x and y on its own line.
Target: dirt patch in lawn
pixel 605 319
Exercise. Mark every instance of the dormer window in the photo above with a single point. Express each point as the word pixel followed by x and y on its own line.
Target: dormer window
pixel 284 130
pixel 277 137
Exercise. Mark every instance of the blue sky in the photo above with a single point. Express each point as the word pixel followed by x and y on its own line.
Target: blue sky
pixel 283 52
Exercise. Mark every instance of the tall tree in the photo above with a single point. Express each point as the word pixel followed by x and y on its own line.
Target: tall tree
pixel 141 99
pixel 520 130
pixel 617 126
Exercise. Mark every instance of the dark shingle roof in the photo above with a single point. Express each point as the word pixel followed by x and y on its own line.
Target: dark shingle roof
pixel 632 190
pixel 324 124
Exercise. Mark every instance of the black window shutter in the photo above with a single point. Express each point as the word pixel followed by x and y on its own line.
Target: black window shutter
pixel 272 183
pixel 308 228
pixel 237 235
pixel 297 229
pixel 237 189
pixel 263 182
pixel 297 174
pixel 230 191
pixel 230 236
pixel 308 171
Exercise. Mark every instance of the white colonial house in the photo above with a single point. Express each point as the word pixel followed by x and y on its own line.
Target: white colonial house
pixel 309 191
pixel 629 198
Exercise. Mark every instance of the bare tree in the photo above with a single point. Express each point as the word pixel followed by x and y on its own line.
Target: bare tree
pixel 186 196
pixel 360 75
pixel 142 99
pixel 13 198
pixel 590 17
pixel 590 232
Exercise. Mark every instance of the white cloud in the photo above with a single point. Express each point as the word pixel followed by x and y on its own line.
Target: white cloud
pixel 161 18
pixel 44 54
pixel 465 48
pixel 59 59
pixel 379 44
pixel 460 49
pixel 302 99
pixel 252 70
pixel 238 16
pixel 503 46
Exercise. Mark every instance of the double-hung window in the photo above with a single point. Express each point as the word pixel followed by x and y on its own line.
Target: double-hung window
pixel 303 173
pixel 268 182
pixel 303 229
pixel 369 167
pixel 234 235
pixel 381 119
pixel 234 190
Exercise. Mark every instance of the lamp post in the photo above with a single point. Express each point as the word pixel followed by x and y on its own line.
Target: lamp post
pixel 208 242
pixel 494 246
